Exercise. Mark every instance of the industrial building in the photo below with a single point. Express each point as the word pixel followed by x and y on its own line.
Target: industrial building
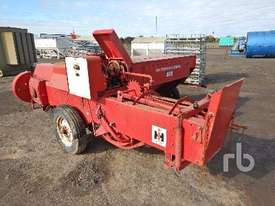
pixel 53 45
pixel 147 46
pixel 17 51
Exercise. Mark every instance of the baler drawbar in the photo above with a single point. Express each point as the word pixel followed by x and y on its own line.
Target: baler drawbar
pixel 125 102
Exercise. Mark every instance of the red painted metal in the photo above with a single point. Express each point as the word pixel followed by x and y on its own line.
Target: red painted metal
pixel 110 44
pixel 20 86
pixel 130 114
pixel 165 70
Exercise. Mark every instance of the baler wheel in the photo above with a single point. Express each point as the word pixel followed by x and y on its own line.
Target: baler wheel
pixel 171 92
pixel 174 93
pixel 69 129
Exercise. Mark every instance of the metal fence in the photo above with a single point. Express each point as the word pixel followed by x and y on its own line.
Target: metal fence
pixel 192 44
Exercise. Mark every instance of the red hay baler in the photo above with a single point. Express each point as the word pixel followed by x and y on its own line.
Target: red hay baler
pixel 121 101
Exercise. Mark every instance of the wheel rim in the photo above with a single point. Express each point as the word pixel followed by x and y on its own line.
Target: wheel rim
pixel 64 131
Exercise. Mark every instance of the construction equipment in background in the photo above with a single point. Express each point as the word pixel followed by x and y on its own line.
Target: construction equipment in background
pixel 239 47
pixel 193 44
pixel 116 99
pixel 17 51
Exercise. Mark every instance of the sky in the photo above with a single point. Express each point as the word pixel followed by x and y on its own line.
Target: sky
pixel 137 17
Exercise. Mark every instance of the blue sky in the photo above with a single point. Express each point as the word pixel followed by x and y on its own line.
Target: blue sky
pixel 135 17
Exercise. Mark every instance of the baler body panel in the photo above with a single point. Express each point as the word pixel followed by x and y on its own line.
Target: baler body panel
pixel 124 110
pixel 111 45
pixel 220 112
pixel 163 69
pixel 204 138
pixel 136 121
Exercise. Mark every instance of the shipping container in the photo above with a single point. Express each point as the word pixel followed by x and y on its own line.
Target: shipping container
pixel 17 51
pixel 260 44
pixel 227 41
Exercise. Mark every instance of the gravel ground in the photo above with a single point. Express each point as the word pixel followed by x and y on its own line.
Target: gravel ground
pixel 34 170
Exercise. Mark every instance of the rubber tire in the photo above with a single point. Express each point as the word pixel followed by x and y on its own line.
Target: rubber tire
pixel 174 93
pixel 77 126
pixel 171 93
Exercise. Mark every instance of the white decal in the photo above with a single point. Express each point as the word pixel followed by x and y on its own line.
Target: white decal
pixel 171 68
pixel 169 74
pixel 159 136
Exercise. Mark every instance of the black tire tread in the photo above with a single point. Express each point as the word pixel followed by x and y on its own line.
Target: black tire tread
pixel 172 92
pixel 175 93
pixel 79 126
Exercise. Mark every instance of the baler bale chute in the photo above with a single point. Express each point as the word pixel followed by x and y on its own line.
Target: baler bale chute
pixel 121 101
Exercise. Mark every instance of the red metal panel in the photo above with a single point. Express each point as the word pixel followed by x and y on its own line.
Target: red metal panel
pixel 193 145
pixel 96 77
pixel 220 111
pixel 86 108
pixel 38 91
pixel 43 71
pixel 167 69
pixel 20 86
pixel 57 77
pixel 136 121
pixel 203 138
pixel 163 69
pixel 111 45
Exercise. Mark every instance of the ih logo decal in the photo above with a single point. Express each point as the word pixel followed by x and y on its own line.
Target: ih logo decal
pixel 159 136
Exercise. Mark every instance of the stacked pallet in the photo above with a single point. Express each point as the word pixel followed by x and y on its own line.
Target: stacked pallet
pixel 195 44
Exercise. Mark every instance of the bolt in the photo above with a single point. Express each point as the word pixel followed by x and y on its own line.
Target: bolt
pixel 195 105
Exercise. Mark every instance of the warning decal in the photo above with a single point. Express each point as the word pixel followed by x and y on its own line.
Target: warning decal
pixel 159 136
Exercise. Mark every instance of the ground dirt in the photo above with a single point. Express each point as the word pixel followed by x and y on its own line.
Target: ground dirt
pixel 34 170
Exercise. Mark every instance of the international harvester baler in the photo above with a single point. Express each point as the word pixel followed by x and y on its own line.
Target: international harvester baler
pixel 122 101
